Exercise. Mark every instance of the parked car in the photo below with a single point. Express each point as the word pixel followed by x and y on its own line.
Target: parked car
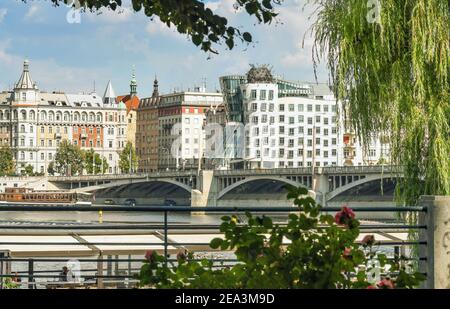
pixel 130 202
pixel 109 202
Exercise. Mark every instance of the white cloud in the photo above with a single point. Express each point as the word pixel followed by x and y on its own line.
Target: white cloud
pixel 3 14
pixel 156 27
pixel 106 15
pixel 34 13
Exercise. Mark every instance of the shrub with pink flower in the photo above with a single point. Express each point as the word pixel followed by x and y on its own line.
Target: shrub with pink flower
pixel 386 283
pixel 345 217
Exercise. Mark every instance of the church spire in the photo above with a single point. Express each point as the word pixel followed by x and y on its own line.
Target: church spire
pixel 155 87
pixel 133 84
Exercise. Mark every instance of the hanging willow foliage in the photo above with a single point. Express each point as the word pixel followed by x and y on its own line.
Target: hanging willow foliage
pixel 393 74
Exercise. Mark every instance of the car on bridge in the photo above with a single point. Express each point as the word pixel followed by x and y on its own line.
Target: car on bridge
pixel 130 202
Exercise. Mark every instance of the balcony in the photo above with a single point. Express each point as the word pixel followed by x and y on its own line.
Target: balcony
pixel 83 136
pixel 57 135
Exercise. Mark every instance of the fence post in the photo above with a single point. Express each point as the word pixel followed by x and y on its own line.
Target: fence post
pixel 437 251
pixel 165 236
pixel 30 273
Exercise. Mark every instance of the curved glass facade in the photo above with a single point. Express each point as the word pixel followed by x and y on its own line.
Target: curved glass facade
pixel 232 96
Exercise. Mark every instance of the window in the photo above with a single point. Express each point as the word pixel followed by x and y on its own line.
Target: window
pixel 83 143
pixel 91 144
pixel 317 130
pixel 270 94
pixel 301 118
pixel 264 118
pixel 291 143
pixel 291 107
pixel 255 119
pixel 281 153
pixel 325 154
pixel 325 108
pixel 22 142
pixel 254 107
pixel 22 129
pixel 263 107
pixel 309 142
pixel 262 95
pixel 50 143
pixel 291 120
pixel 187 121
pixel 300 141
pixel 333 141
pixel 110 144
pixel 281 107
pixel 325 142
pixel 325 132
pixel 333 152
pixel 300 107
pixel 317 141
pixel 333 130
pixel 281 130
pixel 291 131
pixel 42 143
pixel 31 142
pixel 309 108
pixel 281 118
pixel 333 108
pixel 310 131
pixel 31 129
pixel 309 120
pixel 253 94
pixel 281 141
pixel 271 107
pixel 50 130
pixel 325 120
pixel 300 153
pixel 317 108
pixel 300 130
pixel 309 154
pixel 317 119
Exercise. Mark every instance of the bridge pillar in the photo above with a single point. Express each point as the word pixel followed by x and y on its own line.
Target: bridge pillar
pixel 207 195
pixel 321 187
pixel 437 235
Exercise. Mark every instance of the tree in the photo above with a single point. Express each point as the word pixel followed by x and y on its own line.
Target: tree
pixel 390 65
pixel 51 168
pixel 68 159
pixel 125 154
pixel 7 164
pixel 29 170
pixel 322 253
pixel 191 17
pixel 89 162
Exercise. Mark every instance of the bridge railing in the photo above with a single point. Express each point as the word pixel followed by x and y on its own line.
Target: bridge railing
pixel 109 177
pixel 163 237
pixel 363 169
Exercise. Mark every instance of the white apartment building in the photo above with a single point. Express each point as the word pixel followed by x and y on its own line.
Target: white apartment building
pixel 296 125
pixel 37 121
pixel 182 128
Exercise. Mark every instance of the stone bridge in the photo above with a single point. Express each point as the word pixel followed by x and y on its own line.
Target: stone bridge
pixel 234 187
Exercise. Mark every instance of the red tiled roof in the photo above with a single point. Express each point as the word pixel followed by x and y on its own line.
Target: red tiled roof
pixel 132 103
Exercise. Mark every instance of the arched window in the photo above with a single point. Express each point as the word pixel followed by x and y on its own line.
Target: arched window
pixel 23 115
pixel 22 129
pixel 43 115
pixel 91 117
pixel 51 116
pixel 32 115
pixel 83 117
pixel 58 116
pixel 66 116
pixel 99 117
pixel 76 117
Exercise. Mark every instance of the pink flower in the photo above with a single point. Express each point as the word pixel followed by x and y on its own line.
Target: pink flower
pixel 368 240
pixel 345 216
pixel 371 287
pixel 347 254
pixel 150 255
pixel 386 284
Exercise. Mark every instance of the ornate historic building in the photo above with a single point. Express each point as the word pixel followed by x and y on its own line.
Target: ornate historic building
pixel 34 122
pixel 131 101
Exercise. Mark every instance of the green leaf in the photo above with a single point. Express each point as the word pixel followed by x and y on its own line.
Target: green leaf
pixel 215 243
pixel 247 36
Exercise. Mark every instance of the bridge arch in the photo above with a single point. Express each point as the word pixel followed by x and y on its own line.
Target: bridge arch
pixel 119 183
pixel 255 178
pixel 370 178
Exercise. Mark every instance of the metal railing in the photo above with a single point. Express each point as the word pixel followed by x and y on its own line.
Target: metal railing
pixel 165 231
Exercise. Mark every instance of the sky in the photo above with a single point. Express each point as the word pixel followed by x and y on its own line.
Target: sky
pixel 67 55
